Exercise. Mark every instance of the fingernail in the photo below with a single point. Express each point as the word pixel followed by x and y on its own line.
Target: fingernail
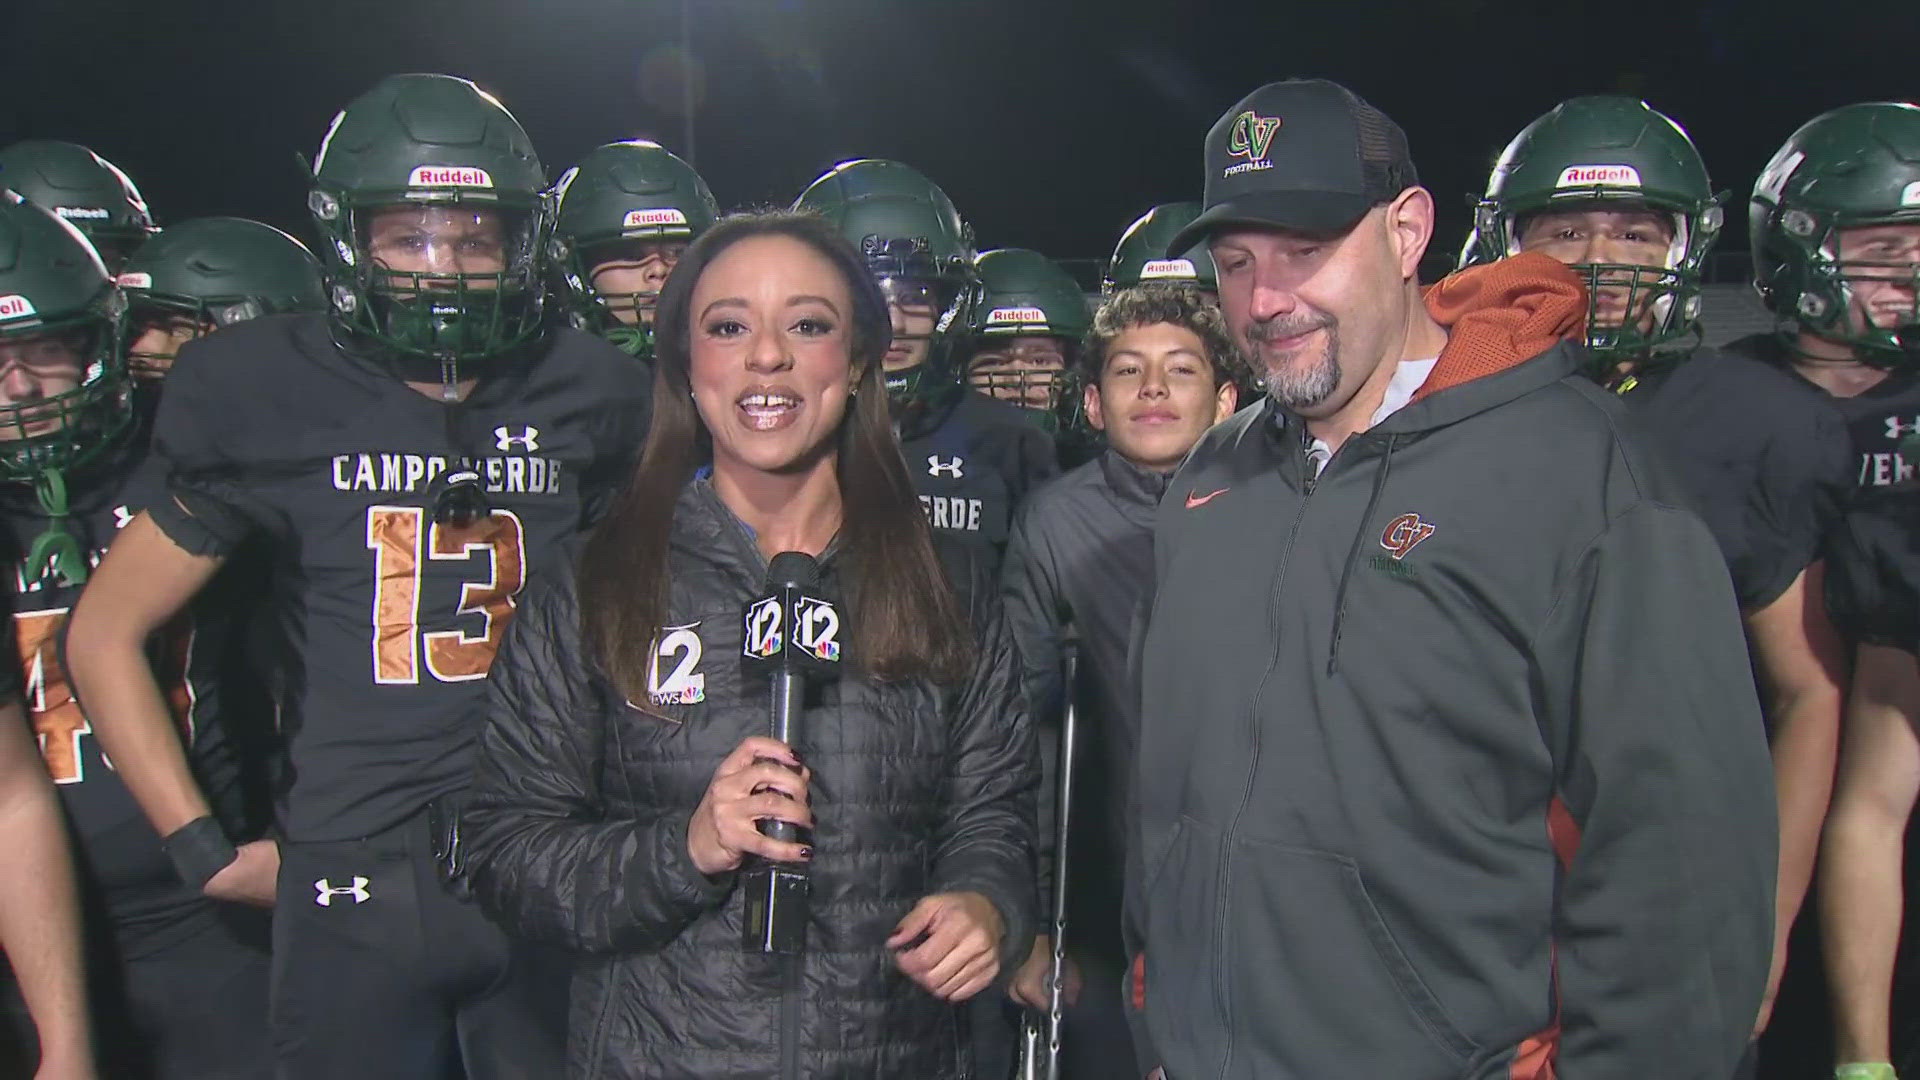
pixel 806 853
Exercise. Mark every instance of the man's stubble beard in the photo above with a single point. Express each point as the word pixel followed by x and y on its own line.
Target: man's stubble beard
pixel 1295 389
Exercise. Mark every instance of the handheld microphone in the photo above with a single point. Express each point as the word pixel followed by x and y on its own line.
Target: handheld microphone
pixel 791 634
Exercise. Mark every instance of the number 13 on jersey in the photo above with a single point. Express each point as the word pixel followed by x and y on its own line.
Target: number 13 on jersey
pixel 400 538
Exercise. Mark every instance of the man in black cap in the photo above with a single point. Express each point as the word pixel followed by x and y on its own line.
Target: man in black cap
pixel 1450 760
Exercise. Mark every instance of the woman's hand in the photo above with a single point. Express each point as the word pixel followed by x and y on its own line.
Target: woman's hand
pixel 950 944
pixel 761 779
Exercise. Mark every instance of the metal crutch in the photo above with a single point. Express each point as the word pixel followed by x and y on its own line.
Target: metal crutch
pixel 1040 1035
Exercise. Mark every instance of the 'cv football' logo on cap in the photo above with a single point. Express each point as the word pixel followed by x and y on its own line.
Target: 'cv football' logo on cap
pixel 1252 136
pixel 15 307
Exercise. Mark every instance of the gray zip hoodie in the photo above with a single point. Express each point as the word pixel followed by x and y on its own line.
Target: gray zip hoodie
pixel 1450 759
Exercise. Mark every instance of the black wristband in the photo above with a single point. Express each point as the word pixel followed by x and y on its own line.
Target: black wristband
pixel 199 849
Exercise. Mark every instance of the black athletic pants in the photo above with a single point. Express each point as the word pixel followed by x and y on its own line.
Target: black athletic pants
pixel 189 1003
pixel 380 972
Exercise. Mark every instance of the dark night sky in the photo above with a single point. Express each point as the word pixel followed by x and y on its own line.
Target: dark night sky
pixel 1050 123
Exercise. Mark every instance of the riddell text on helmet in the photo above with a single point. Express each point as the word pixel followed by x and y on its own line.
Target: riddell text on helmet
pixel 449 176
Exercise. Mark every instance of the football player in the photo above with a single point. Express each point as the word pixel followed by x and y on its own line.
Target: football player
pixel 972 458
pixel 1617 191
pixel 1834 225
pixel 1159 369
pixel 178 984
pixel 85 190
pixel 626 212
pixel 1024 320
pixel 1141 255
pixel 206 273
pixel 408 457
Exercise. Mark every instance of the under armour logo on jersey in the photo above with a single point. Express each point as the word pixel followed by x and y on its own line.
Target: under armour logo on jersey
pixel 325 891
pixel 950 467
pixel 1404 533
pixel 528 439
pixel 1899 427
pixel 122 517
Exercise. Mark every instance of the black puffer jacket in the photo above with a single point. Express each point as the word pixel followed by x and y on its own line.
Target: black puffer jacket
pixel 579 816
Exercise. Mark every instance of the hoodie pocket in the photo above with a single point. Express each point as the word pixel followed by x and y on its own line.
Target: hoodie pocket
pixel 1184 1005
pixel 1314 967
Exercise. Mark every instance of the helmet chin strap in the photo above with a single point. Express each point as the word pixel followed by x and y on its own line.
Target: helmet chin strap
pixel 55 550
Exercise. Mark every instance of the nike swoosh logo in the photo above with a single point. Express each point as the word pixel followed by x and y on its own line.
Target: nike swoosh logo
pixel 1202 500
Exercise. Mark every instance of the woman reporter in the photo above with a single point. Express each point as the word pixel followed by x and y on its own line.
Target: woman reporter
pixel 624 765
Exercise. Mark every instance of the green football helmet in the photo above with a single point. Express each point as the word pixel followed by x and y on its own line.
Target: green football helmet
pixel 207 273
pixel 1021 293
pixel 432 142
pixel 624 192
pixel 1856 165
pixel 82 188
pixel 1610 150
pixel 1141 255
pixel 55 297
pixel 915 245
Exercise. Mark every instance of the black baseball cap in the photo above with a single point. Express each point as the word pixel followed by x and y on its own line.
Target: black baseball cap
pixel 1305 154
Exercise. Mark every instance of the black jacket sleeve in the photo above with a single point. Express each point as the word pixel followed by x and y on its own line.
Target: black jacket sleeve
pixel 545 861
pixel 986 841
pixel 1037 616
pixel 1664 923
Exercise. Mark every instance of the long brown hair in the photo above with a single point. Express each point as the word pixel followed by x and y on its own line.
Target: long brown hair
pixel 903 618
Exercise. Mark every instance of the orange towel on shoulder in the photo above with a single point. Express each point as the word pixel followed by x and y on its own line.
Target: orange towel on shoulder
pixel 1502 314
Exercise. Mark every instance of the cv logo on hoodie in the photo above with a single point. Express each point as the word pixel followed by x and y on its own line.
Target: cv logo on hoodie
pixel 1405 533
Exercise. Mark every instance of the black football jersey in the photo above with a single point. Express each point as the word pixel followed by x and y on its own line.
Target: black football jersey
pixel 1873 569
pixel 121 862
pixel 384 622
pixel 972 465
pixel 1769 466
pixel 1878 419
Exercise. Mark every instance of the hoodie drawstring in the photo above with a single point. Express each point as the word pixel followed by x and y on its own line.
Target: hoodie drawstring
pixel 1353 555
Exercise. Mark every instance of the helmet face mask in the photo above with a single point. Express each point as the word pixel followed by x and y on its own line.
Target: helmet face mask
pixel 626 276
pixel 1875 269
pixel 71 407
pixel 441 281
pixel 1028 370
pixel 1609 158
pixel 1642 298
pixel 157 329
